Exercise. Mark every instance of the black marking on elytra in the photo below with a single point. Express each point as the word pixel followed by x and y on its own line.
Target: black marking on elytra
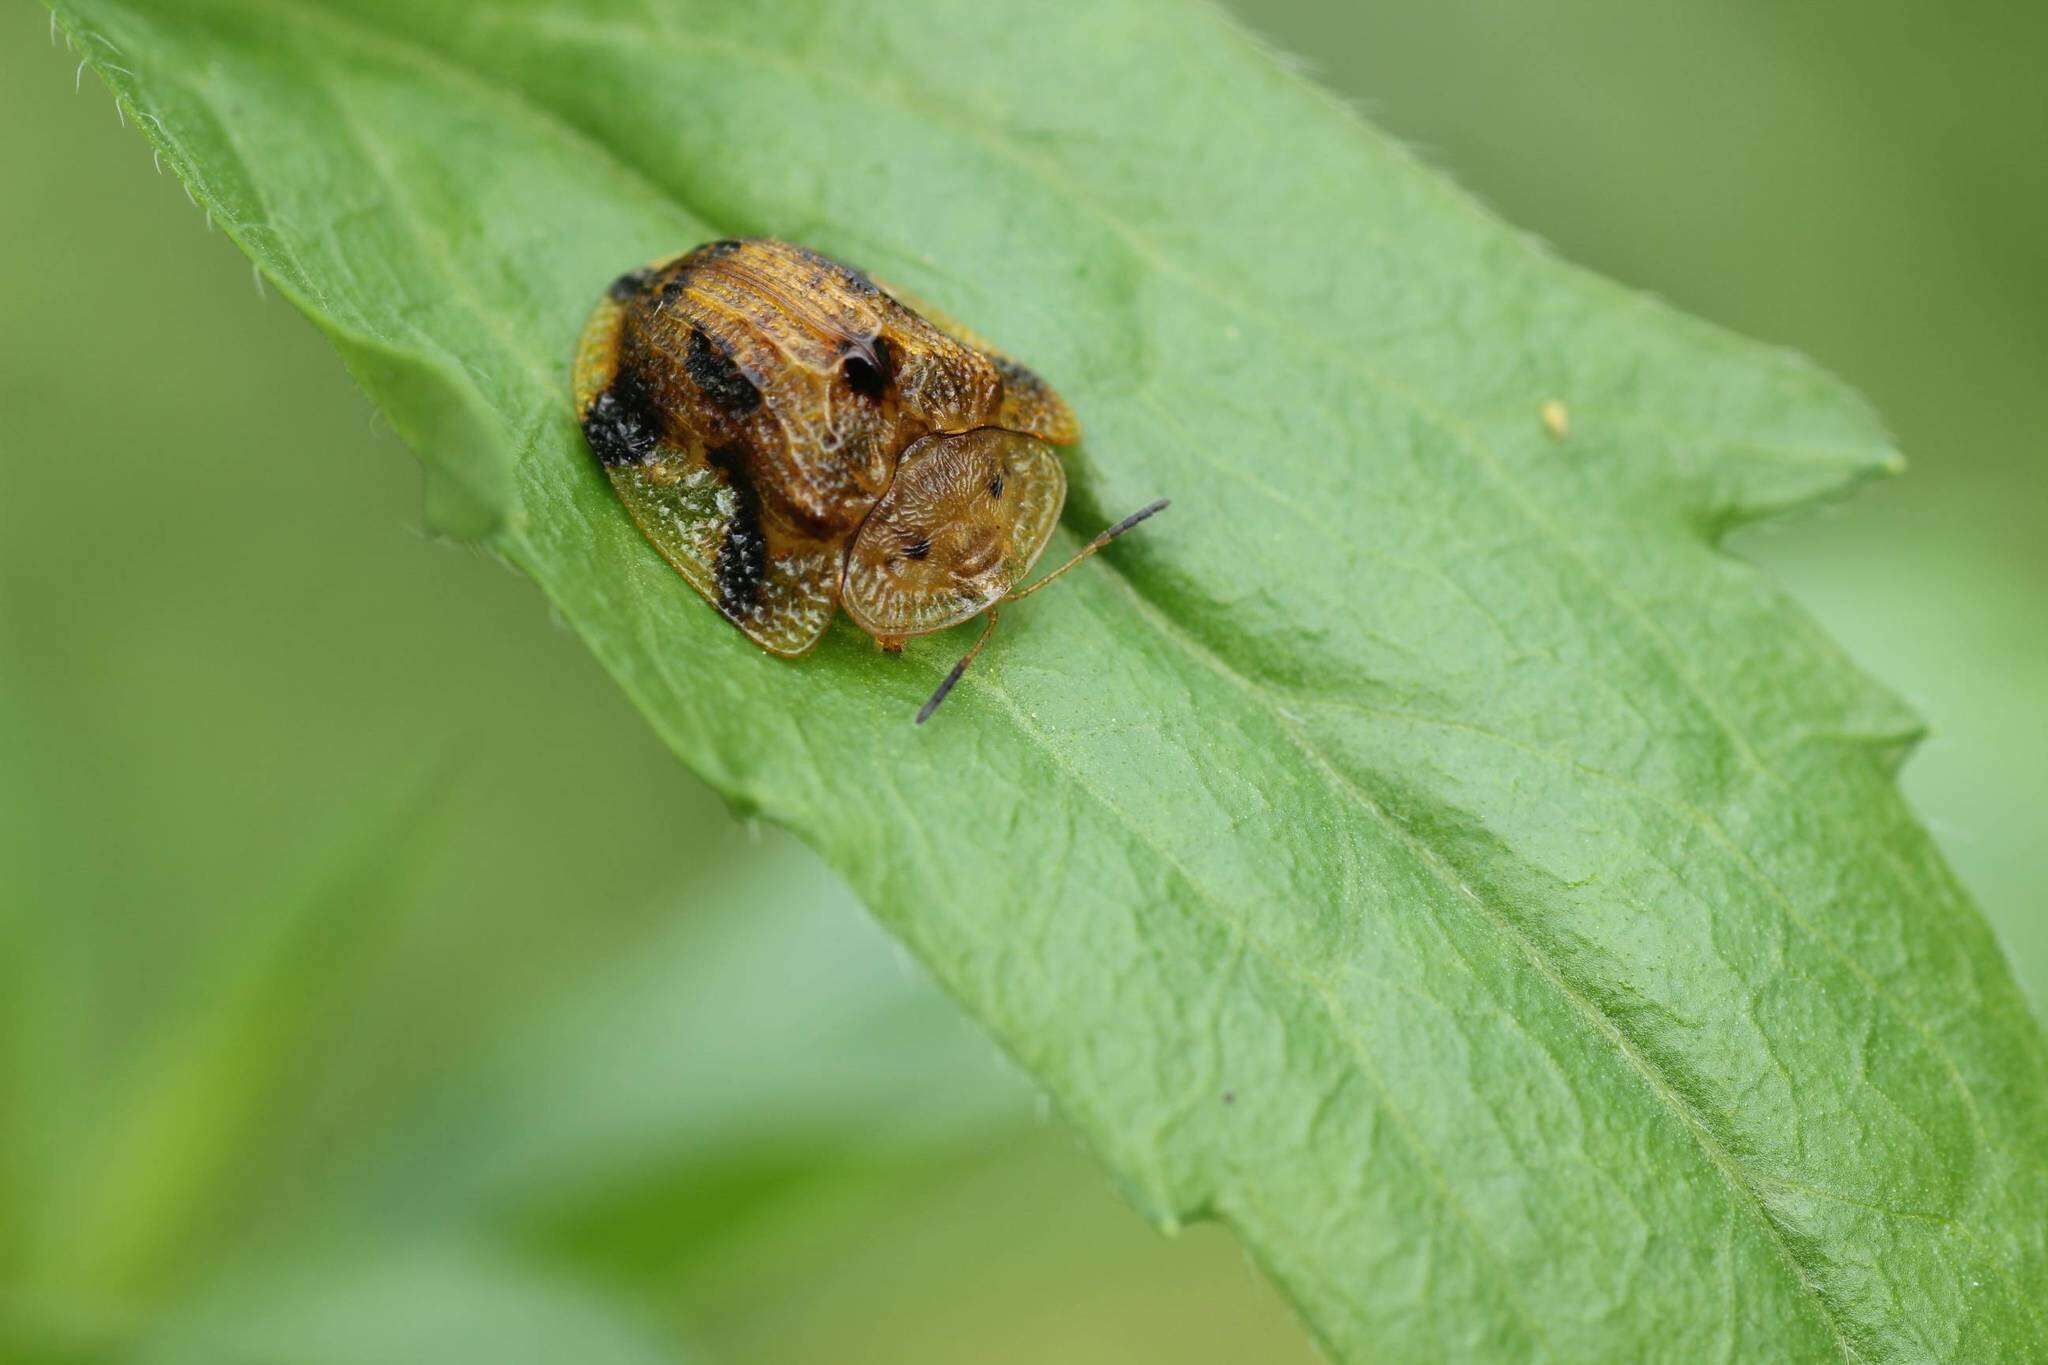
pixel 1017 376
pixel 741 568
pixel 918 549
pixel 869 366
pixel 722 381
pixel 995 485
pixel 632 283
pixel 622 423
pixel 711 251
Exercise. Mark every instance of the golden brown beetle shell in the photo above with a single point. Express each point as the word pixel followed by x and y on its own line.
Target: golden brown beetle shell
pixel 790 436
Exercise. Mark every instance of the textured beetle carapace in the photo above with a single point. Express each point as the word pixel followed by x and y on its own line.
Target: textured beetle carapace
pixel 792 438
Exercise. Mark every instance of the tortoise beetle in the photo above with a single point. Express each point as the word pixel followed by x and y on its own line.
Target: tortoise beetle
pixel 794 439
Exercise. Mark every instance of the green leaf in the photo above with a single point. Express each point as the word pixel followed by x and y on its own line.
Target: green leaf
pixel 1422 848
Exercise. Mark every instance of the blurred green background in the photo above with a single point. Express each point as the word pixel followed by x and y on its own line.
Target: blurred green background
pixel 373 987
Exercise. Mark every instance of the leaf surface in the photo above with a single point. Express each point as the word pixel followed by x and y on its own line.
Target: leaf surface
pixel 1422 848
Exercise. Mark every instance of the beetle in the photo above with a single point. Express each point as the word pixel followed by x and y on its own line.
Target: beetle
pixel 793 439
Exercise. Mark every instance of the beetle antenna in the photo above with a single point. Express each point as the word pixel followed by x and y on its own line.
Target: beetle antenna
pixel 1149 509
pixel 925 712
